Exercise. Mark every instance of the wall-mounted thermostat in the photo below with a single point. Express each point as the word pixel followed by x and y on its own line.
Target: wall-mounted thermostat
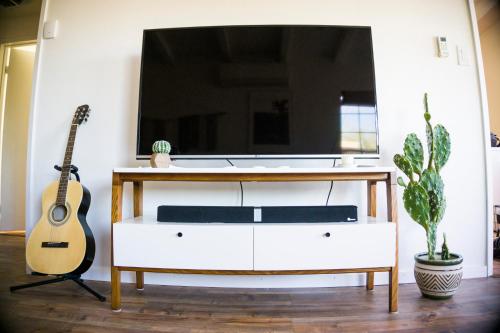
pixel 442 43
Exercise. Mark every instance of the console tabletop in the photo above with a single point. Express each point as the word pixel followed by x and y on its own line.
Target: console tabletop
pixel 254 174
pixel 257 169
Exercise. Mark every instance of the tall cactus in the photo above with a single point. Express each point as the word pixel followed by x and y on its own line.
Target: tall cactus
pixel 424 194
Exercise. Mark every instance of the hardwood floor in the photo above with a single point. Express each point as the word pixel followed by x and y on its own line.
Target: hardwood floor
pixel 67 308
pixel 496 267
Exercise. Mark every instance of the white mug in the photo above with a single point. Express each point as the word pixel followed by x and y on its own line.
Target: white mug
pixel 348 160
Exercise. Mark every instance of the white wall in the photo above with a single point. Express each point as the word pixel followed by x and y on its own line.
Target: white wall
pixel 96 60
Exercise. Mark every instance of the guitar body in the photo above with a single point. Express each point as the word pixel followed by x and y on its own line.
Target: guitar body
pixel 62 244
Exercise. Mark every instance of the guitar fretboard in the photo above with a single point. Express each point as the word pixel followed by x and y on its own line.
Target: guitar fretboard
pixel 65 172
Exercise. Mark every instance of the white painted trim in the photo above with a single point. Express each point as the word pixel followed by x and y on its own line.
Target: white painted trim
pixel 486 130
pixel 3 88
pixel 30 195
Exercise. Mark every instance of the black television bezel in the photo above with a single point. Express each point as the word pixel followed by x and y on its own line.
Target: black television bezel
pixel 258 156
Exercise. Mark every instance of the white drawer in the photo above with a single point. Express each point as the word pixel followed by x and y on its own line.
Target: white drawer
pixel 302 247
pixel 205 246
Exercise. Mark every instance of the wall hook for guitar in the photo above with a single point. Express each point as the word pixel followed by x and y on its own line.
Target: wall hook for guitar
pixel 72 169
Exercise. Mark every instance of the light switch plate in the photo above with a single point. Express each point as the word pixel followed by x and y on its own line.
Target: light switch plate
pixel 50 29
pixel 462 56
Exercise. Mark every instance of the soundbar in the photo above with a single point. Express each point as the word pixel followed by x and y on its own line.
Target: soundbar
pixel 276 214
pixel 208 214
pixel 299 214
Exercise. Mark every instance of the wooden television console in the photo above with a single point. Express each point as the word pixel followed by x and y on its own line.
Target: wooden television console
pixel 367 246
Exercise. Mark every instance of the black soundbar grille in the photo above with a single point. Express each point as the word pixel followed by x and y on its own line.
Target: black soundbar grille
pixel 205 214
pixel 278 214
pixel 275 214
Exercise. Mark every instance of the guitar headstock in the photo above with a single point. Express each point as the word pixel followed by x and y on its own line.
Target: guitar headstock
pixel 81 114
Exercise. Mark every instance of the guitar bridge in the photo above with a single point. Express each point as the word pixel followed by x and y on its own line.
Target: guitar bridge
pixel 59 245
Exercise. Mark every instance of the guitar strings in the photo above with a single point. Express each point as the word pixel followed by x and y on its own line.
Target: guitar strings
pixel 54 233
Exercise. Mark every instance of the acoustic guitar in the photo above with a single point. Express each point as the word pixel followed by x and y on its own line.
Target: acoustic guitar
pixel 61 242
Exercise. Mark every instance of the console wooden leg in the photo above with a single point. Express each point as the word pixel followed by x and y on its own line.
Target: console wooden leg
pixel 138 199
pixel 115 289
pixel 393 290
pixel 371 205
pixel 139 280
pixel 369 280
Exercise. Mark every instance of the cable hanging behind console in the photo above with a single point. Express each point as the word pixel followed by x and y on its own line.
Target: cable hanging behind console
pixel 331 184
pixel 241 184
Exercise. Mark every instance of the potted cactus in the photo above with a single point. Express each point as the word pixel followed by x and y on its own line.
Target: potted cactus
pixel 160 157
pixel 438 274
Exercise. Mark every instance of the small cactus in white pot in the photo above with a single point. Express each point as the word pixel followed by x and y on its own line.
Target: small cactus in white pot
pixel 160 157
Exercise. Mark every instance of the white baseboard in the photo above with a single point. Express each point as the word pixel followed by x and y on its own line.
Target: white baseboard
pixel 273 281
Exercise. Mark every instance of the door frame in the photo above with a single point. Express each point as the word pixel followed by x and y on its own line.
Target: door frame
pixel 486 129
pixel 4 57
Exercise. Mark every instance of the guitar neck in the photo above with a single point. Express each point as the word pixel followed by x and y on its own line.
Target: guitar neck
pixel 65 172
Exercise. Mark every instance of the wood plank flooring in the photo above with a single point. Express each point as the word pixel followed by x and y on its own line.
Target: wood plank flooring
pixel 496 267
pixel 67 308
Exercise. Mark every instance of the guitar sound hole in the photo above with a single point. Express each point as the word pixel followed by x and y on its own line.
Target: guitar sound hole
pixel 59 213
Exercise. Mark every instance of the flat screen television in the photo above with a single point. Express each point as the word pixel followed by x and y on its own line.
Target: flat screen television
pixel 281 91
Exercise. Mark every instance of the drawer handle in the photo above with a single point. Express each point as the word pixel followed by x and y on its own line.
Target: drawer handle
pixel 327 234
pixel 179 234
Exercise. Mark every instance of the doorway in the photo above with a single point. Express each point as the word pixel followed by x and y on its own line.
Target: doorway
pixel 488 23
pixel 17 63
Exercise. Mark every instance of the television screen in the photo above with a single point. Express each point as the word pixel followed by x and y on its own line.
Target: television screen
pixel 236 91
